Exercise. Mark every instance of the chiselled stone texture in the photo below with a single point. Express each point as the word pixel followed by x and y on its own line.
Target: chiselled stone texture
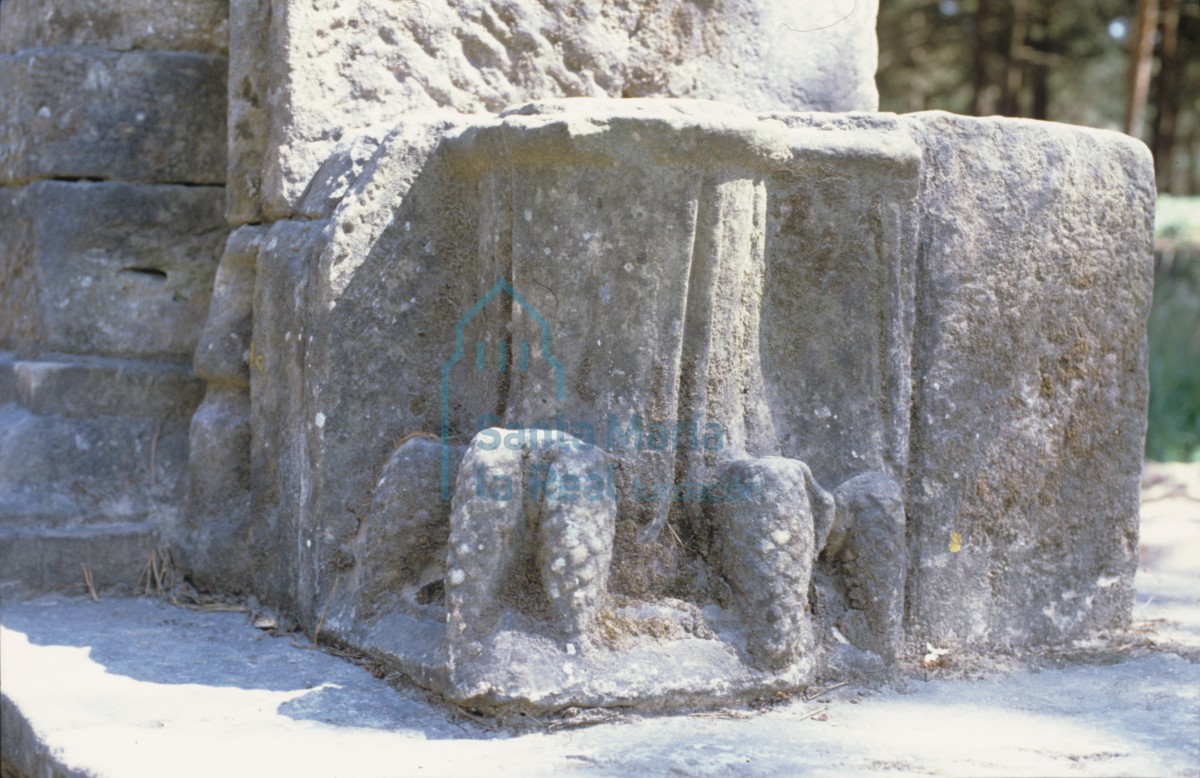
pixel 1029 375
pixel 223 354
pixel 93 454
pixel 77 112
pixel 119 25
pixel 109 269
pixel 214 537
pixel 248 85
pixel 766 544
pixel 818 291
pixel 336 67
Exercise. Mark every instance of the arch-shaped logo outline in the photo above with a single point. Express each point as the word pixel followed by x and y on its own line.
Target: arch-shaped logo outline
pixel 502 285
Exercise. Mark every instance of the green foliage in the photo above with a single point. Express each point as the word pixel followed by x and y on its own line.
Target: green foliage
pixel 1059 60
pixel 1177 221
pixel 1174 427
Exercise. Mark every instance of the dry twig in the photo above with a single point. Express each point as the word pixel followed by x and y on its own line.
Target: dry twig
pixel 813 712
pixel 333 590
pixel 91 585
pixel 819 692
pixel 154 449
pixel 158 574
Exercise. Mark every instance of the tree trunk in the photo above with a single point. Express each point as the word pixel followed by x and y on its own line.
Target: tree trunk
pixel 1039 75
pixel 1015 71
pixel 981 103
pixel 1141 62
pixel 1166 104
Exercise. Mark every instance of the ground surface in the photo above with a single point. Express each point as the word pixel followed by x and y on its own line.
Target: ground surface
pixel 135 687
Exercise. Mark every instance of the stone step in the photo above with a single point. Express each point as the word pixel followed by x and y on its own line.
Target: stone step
pixel 83 112
pixel 72 471
pixel 45 559
pixel 117 25
pixel 76 387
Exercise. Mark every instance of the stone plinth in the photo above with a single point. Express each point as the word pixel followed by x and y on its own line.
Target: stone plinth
pixel 763 342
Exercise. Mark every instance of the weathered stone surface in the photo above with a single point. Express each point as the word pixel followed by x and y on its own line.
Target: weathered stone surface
pixel 93 492
pixel 93 450
pixel 768 535
pixel 213 540
pixel 336 68
pixel 781 276
pixel 119 25
pixel 54 558
pixel 156 117
pixel 288 427
pixel 365 395
pixel 223 355
pixel 531 532
pixel 111 269
pixel 441 228
pixel 18 276
pixel 63 472
pixel 865 560
pixel 248 85
pixel 1029 365
pixel 400 551
pixel 8 379
pixel 82 388
pixel 841 235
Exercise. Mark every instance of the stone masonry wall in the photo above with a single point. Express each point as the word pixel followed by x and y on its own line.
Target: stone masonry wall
pixel 315 88
pixel 112 165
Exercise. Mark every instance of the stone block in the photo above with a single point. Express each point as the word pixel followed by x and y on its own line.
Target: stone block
pixel 336 67
pixel 968 381
pixel 113 269
pixel 766 541
pixel 154 117
pixel 1029 380
pixel 63 472
pixel 294 561
pixel 247 90
pixel 83 388
pixel 18 279
pixel 223 354
pixel 213 541
pixel 50 559
pixel 119 25
pixel 841 235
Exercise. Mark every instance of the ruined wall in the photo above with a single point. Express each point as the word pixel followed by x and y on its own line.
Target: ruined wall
pixel 112 160
pixel 923 335
pixel 317 89
pixel 967 380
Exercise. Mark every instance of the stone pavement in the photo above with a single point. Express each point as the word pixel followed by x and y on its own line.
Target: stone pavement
pixel 132 687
